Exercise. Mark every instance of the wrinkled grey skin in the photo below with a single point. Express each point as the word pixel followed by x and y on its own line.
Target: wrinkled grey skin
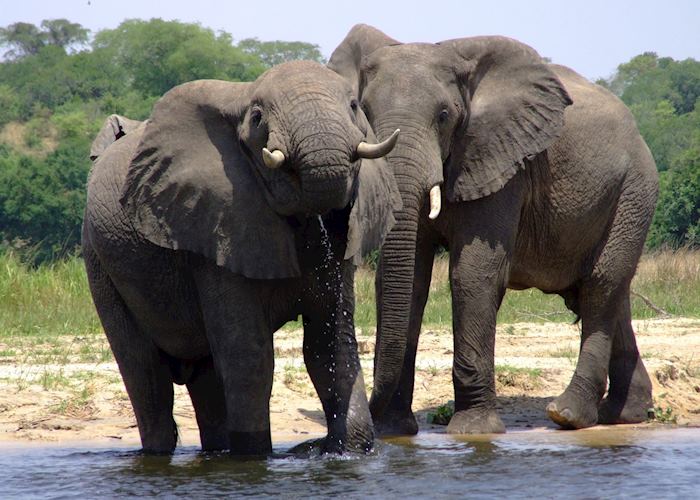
pixel 546 183
pixel 196 252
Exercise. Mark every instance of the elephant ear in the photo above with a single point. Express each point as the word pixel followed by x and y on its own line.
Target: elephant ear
pixel 191 187
pixel 115 127
pixel 360 41
pixel 516 111
pixel 377 197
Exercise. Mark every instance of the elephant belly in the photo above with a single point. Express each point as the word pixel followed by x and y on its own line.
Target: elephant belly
pixel 564 221
pixel 162 298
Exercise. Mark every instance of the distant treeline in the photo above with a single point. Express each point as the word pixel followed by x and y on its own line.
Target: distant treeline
pixel 58 84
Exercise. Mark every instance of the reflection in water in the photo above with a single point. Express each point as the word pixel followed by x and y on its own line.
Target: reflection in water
pixel 591 463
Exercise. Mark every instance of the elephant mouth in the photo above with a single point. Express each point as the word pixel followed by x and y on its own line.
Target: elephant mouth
pixel 328 187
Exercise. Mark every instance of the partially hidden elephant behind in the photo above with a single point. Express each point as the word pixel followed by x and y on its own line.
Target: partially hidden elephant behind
pixel 233 209
pixel 531 176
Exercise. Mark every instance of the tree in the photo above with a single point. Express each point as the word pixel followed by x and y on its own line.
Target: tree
pixel 156 55
pixel 26 39
pixel 277 51
pixel 63 33
pixel 23 38
pixel 677 219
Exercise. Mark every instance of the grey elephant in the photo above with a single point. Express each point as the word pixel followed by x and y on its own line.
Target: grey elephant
pixel 200 240
pixel 531 176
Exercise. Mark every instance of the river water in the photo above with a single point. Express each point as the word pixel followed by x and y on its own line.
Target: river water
pixel 607 463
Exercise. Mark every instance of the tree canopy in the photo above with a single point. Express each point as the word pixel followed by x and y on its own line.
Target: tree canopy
pixel 27 39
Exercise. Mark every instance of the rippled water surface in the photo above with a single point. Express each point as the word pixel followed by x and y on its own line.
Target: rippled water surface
pixel 650 463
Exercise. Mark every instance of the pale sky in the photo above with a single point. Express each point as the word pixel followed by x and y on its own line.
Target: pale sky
pixel 591 36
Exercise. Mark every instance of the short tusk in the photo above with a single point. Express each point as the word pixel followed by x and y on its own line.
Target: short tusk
pixel 434 202
pixel 370 151
pixel 273 159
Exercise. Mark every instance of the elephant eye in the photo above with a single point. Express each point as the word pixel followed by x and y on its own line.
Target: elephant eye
pixel 443 115
pixel 255 116
pixel 354 105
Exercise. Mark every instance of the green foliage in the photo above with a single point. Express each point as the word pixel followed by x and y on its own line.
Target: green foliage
pixel 664 415
pixel 442 414
pixel 10 102
pixel 26 39
pixel 42 201
pixel 677 219
pixel 277 51
pixel 154 56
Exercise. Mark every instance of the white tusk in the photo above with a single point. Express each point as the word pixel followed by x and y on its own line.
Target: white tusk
pixel 434 202
pixel 370 151
pixel 273 159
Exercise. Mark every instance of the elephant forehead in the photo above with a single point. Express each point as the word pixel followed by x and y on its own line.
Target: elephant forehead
pixel 304 76
pixel 416 65
pixel 408 56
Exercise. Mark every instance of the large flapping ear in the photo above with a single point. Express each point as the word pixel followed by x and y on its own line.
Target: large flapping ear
pixel 115 127
pixel 516 111
pixel 377 197
pixel 361 41
pixel 191 187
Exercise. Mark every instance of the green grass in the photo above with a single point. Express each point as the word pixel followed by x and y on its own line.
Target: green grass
pixel 47 311
pixel 52 299
pixel 670 280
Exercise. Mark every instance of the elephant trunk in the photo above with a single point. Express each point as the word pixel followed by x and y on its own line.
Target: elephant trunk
pixel 322 151
pixel 394 290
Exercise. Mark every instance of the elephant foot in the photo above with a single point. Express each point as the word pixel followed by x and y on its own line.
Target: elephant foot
pixel 629 399
pixel 476 422
pixel 631 410
pixel 308 449
pixel 572 412
pixel 396 424
pixel 327 446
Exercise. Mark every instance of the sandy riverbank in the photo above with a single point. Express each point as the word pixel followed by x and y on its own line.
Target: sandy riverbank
pixel 534 364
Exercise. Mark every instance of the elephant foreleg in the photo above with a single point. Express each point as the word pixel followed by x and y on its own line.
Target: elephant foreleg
pixel 478 277
pixel 333 363
pixel 481 250
pixel 241 344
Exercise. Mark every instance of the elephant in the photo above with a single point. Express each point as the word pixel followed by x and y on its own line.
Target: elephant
pixel 530 176
pixel 235 208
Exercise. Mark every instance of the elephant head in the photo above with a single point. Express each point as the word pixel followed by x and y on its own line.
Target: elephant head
pixel 223 167
pixel 472 111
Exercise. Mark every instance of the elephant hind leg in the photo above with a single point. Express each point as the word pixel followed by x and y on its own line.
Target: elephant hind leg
pixel 608 346
pixel 143 367
pixel 207 394
pixel 629 397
